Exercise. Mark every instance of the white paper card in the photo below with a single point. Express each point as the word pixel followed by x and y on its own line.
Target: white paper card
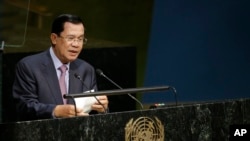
pixel 85 102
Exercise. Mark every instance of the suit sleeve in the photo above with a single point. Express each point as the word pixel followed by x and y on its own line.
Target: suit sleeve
pixel 25 94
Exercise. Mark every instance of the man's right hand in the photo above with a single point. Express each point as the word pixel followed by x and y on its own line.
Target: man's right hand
pixel 63 111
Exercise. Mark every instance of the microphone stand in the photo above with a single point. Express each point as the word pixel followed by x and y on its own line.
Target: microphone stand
pixel 103 75
pixel 106 110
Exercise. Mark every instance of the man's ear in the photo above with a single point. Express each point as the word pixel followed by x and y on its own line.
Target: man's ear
pixel 53 38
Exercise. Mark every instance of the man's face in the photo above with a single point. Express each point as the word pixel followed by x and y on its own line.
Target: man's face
pixel 70 42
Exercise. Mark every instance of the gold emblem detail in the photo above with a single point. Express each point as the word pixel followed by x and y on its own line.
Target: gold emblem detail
pixel 144 129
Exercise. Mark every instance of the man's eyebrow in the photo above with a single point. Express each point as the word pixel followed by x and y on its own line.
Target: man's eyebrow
pixel 74 35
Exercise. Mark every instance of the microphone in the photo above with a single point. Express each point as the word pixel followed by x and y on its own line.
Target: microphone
pixel 79 78
pixel 100 72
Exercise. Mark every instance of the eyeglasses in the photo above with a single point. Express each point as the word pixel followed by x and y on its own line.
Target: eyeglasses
pixel 72 39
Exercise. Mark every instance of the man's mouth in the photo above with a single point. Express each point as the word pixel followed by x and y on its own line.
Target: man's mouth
pixel 73 51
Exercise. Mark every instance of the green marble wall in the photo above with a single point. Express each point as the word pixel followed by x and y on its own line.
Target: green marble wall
pixel 207 121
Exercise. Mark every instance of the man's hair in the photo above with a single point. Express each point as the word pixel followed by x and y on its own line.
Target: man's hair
pixel 58 23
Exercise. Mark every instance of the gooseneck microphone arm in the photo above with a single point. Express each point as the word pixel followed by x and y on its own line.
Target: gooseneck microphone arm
pixel 79 78
pixel 100 72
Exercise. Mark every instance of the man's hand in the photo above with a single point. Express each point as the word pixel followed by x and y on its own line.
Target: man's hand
pixel 62 111
pixel 98 107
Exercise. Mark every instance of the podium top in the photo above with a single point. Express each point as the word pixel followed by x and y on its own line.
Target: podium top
pixel 118 91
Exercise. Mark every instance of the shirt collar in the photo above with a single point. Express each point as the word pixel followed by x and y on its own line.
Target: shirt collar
pixel 56 61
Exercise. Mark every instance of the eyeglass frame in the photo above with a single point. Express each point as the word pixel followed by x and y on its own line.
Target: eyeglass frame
pixel 72 39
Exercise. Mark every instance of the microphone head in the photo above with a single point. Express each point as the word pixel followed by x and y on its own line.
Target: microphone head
pixel 77 76
pixel 99 72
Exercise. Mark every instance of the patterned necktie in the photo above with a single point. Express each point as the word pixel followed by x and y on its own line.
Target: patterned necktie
pixel 62 81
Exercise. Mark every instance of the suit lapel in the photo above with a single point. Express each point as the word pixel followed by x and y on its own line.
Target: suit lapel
pixel 50 75
pixel 75 85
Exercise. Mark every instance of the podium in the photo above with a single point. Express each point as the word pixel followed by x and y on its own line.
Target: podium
pixel 201 121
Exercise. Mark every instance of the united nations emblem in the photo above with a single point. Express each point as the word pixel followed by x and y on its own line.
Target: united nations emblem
pixel 144 129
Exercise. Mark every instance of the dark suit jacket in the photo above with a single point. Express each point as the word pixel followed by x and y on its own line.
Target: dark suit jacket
pixel 36 88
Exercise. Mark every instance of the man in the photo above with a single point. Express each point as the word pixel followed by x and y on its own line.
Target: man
pixel 37 87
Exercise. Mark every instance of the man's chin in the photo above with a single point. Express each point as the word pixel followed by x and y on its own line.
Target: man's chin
pixel 72 58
